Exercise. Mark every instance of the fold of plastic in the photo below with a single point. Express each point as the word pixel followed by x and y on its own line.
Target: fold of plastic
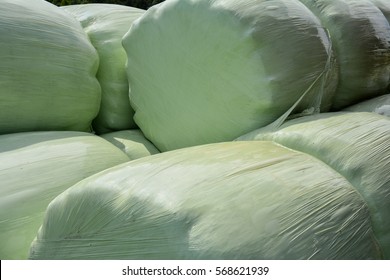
pixel 47 69
pixel 360 37
pixel 379 105
pixel 354 144
pixel 131 142
pixel 35 167
pixel 234 200
pixel 209 71
pixel 105 25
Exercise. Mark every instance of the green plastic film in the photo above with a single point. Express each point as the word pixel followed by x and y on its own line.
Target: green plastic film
pixel 47 69
pixel 131 142
pixel 208 71
pixel 360 37
pixel 237 200
pixel 354 144
pixel 35 167
pixel 105 25
pixel 379 105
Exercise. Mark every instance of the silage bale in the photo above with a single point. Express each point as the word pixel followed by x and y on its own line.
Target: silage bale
pixel 360 37
pixel 354 144
pixel 35 167
pixel 47 69
pixel 234 200
pixel 105 25
pixel 208 71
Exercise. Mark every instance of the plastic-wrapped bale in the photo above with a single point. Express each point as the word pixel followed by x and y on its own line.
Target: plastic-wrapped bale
pixel 379 105
pixel 208 71
pixel 357 145
pixel 105 25
pixel 233 200
pixel 35 167
pixel 384 6
pixel 361 39
pixel 47 69
pixel 131 142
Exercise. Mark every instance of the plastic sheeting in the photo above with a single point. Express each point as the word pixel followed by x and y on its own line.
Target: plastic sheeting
pixel 379 105
pixel 47 69
pixel 384 6
pixel 209 71
pixel 35 167
pixel 105 25
pixel 132 142
pixel 237 200
pixel 360 36
pixel 354 144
